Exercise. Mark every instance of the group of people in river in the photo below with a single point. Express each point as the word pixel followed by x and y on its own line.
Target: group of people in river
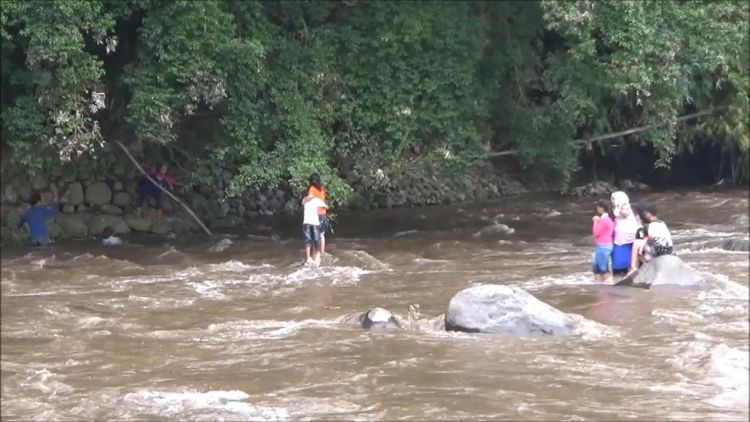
pixel 626 236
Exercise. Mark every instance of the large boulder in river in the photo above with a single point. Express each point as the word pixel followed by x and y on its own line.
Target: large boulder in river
pixel 379 318
pixel 499 309
pixel 665 270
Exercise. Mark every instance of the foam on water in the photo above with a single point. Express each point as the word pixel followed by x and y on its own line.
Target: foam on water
pixel 588 329
pixel 336 274
pixel 192 404
pixel 208 289
pixel 237 267
pixel 241 331
pixel 575 279
pixel 47 383
pixel 730 369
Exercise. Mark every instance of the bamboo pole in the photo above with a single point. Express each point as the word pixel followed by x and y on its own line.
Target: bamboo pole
pixel 622 132
pixel 158 185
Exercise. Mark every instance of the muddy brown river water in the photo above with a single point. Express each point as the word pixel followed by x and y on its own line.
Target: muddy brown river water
pixel 165 330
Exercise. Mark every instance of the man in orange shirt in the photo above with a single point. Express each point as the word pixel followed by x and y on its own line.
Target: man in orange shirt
pixel 316 189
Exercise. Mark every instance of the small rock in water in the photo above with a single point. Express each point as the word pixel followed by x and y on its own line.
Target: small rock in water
pixel 495 228
pixel 221 246
pixel 379 318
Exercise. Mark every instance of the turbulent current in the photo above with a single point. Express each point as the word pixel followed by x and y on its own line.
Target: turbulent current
pixel 167 329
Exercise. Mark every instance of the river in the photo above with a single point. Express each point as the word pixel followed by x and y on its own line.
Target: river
pixel 164 329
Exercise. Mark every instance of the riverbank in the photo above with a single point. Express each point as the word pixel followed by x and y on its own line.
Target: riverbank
pixel 89 203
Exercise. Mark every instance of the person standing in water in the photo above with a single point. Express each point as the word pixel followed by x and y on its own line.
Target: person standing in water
pixel 626 226
pixel 311 229
pixel 316 189
pixel 36 218
pixel 602 228
pixel 146 188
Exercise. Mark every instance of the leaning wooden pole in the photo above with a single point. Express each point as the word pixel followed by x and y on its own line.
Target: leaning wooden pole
pixel 158 185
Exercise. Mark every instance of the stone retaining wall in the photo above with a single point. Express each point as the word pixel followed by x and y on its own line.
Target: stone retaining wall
pixel 91 203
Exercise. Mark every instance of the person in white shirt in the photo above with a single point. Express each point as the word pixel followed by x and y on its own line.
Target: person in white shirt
pixel 311 229
pixel 109 238
pixel 656 239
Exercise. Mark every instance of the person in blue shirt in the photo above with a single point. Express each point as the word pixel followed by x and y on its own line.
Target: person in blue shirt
pixel 146 188
pixel 36 218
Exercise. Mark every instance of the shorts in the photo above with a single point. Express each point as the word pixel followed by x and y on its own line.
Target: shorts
pixel 323 224
pixel 311 234
pixel 651 251
pixel 621 257
pixel 146 190
pixel 601 259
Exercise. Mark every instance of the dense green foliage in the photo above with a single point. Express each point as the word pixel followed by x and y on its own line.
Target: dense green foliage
pixel 359 91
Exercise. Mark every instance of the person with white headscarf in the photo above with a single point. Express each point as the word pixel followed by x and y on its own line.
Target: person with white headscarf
pixel 626 226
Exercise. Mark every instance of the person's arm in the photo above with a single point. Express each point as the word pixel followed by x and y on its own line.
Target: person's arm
pixel 169 182
pixel 51 211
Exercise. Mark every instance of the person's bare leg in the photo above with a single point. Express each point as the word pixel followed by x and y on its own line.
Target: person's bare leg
pixel 633 259
pixel 322 244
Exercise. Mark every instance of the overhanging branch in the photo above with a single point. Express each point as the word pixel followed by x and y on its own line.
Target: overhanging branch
pixel 622 132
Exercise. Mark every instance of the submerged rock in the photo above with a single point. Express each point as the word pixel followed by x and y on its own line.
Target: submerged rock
pixel 631 186
pixel 666 270
pixel 596 188
pixel 221 246
pixel 499 309
pixel 379 318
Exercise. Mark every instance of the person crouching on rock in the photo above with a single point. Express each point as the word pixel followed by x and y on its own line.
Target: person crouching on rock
pixel 146 188
pixel 603 228
pixel 316 189
pixel 36 218
pixel 311 229
pixel 655 239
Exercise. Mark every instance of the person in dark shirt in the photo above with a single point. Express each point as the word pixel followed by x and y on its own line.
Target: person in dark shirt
pixel 36 218
pixel 146 188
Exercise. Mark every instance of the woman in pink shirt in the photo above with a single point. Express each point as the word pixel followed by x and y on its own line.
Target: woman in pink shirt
pixel 603 228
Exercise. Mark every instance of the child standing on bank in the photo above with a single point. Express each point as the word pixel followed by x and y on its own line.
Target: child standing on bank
pixel 311 229
pixel 603 228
